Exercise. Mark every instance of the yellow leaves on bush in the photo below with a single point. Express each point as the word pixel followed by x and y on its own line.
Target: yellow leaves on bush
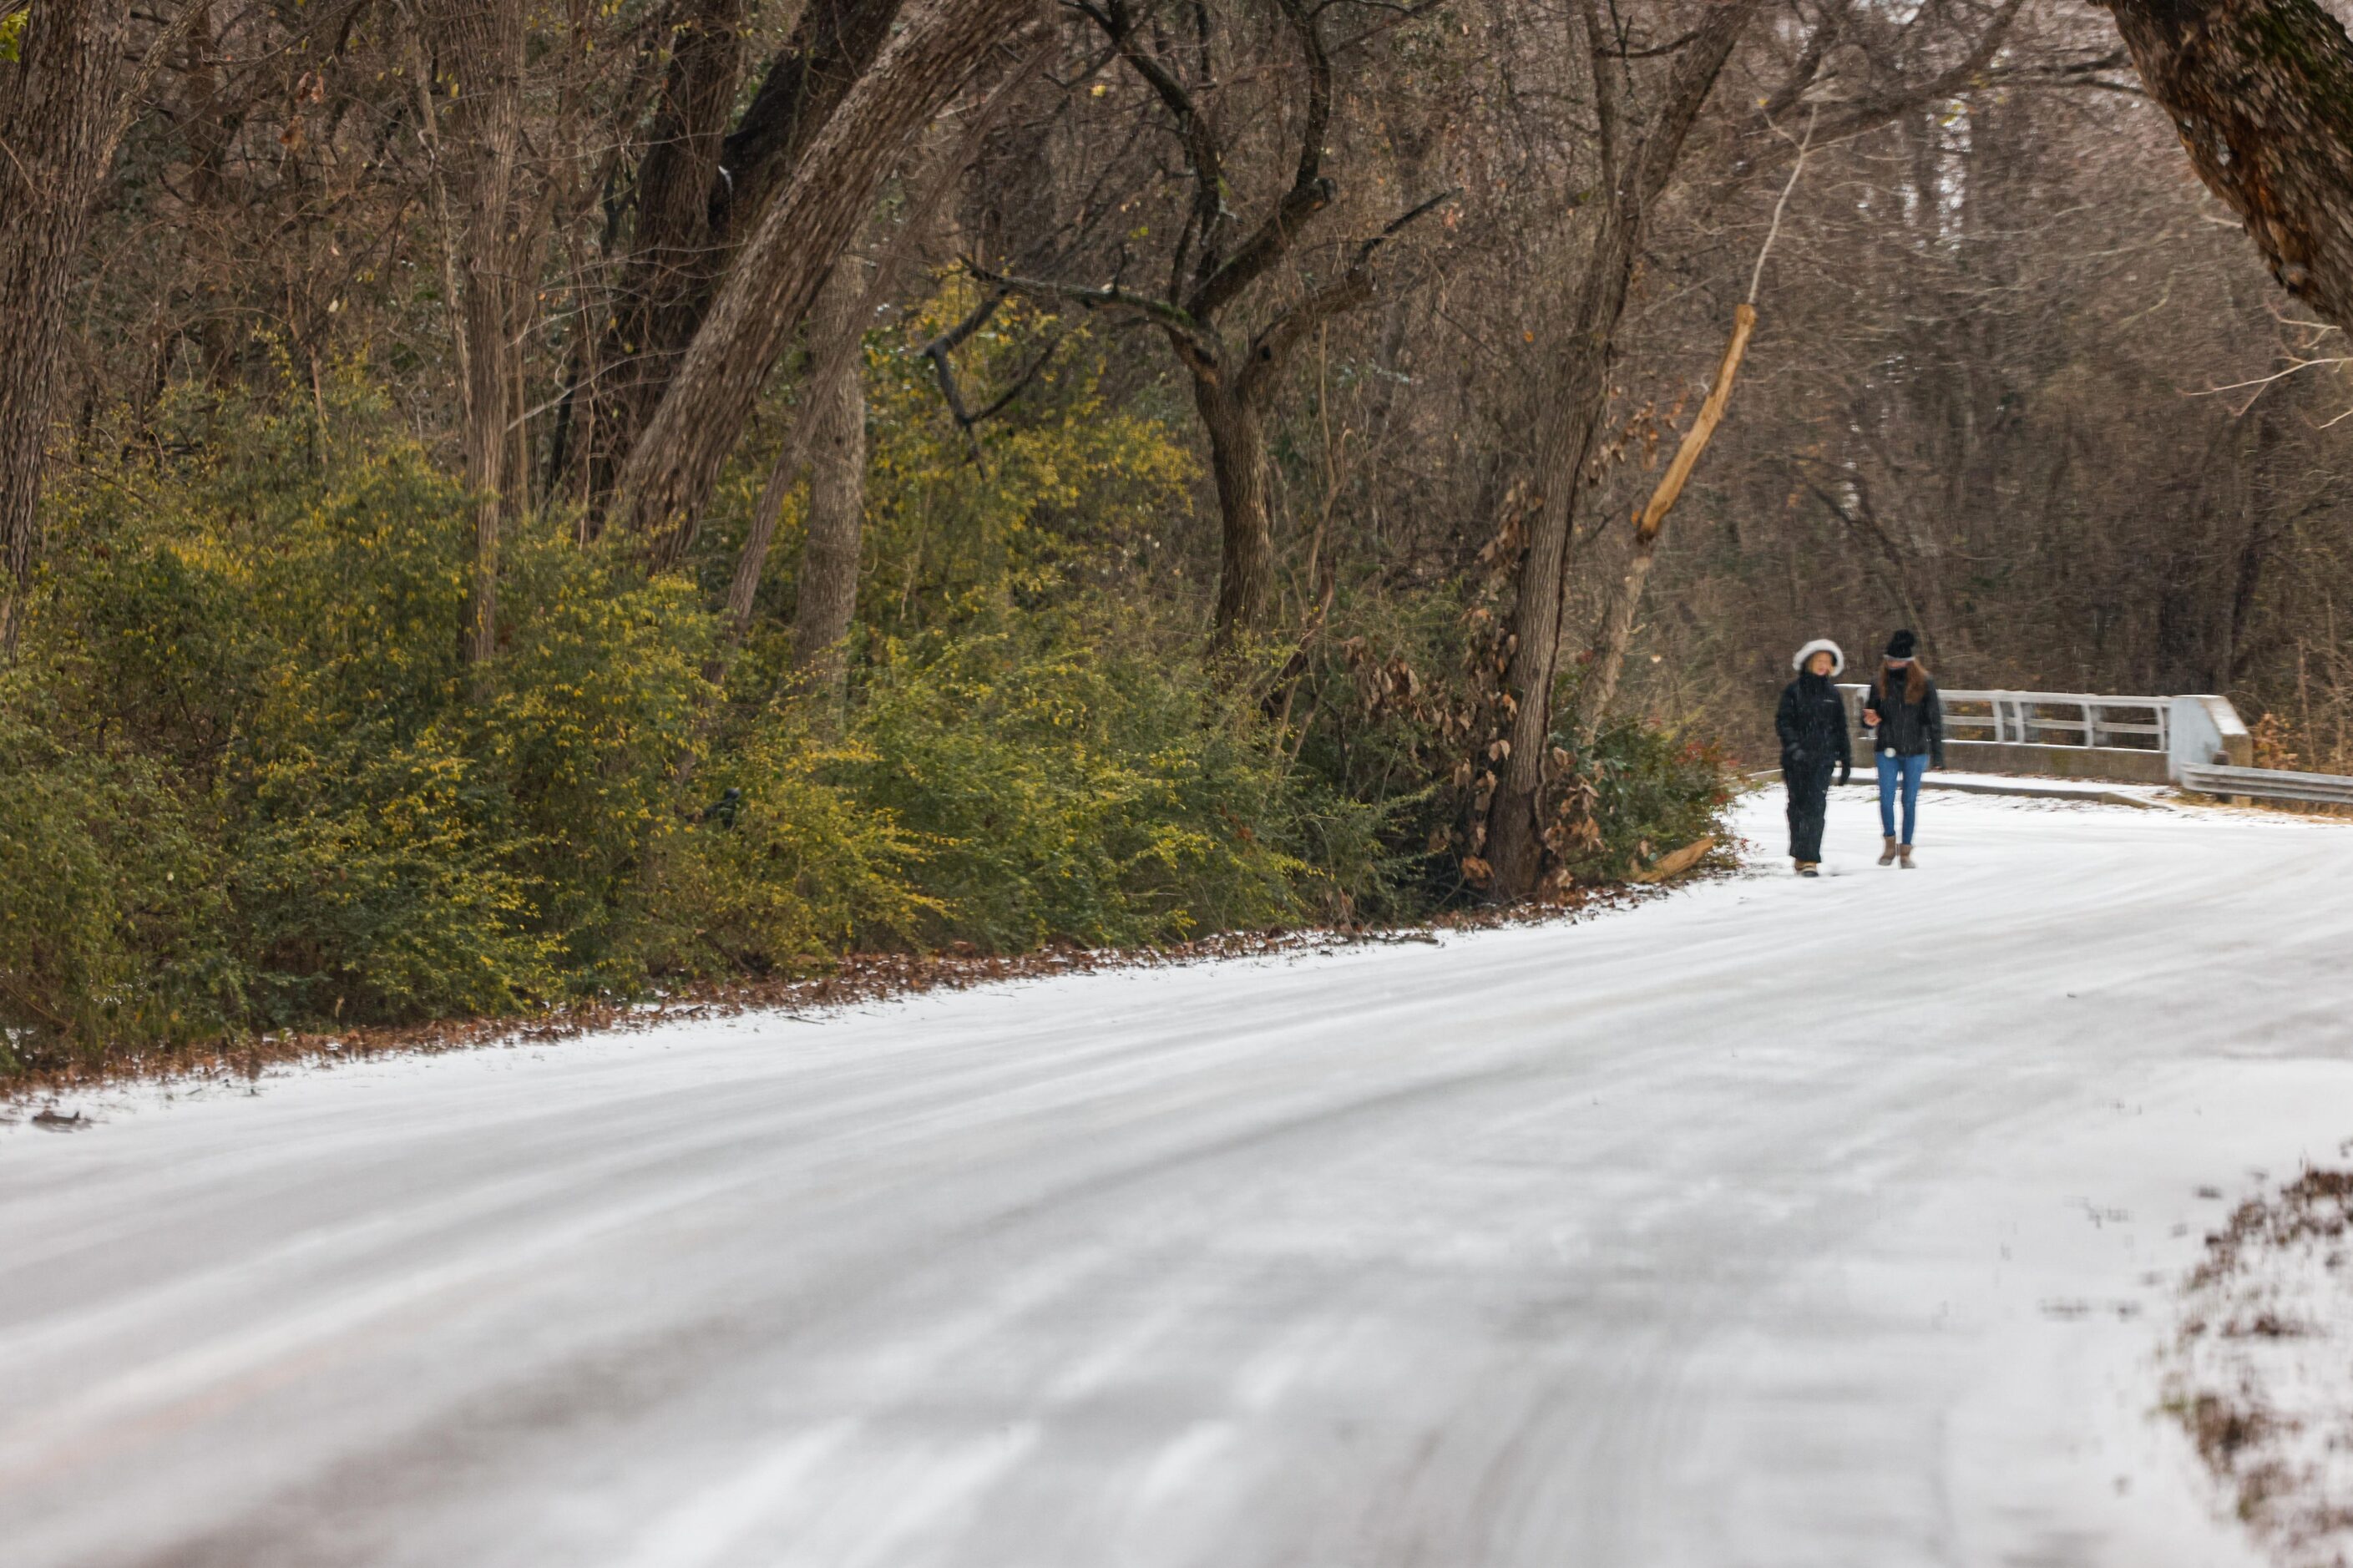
pixel 803 870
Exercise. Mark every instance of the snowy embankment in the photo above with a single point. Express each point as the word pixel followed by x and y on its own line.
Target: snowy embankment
pixel 1775 1223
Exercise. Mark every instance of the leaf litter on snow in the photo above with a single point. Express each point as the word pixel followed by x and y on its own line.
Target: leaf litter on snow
pixel 852 980
pixel 2261 1370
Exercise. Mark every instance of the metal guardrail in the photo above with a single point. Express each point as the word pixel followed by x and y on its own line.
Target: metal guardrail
pixel 2268 783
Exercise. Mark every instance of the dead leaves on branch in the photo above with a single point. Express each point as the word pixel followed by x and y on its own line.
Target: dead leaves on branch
pixel 1467 716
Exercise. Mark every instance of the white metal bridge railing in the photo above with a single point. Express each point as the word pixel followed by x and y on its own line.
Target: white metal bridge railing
pixel 2073 718
pixel 2032 717
pixel 2197 742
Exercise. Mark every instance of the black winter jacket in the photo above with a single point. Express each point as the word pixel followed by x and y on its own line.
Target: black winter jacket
pixel 1907 728
pixel 1812 722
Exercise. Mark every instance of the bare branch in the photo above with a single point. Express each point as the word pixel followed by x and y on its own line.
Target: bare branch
pixel 1971 71
pixel 1820 39
pixel 134 93
pixel 938 350
pixel 1797 170
pixel 1628 52
pixel 1274 345
pixel 1117 23
pixel 1109 299
pixel 1310 191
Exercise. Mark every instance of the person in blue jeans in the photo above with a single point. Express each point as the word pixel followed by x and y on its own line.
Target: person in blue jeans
pixel 1907 739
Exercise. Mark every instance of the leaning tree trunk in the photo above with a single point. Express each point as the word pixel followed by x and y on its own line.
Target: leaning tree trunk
pixel 837 504
pixel 56 107
pixel 836 361
pixel 675 463
pixel 699 187
pixel 1514 840
pixel 2261 94
pixel 1237 431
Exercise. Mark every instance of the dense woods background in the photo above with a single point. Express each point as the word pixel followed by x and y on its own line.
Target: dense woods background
pixel 503 502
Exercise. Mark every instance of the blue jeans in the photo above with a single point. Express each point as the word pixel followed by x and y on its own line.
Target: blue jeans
pixel 1907 769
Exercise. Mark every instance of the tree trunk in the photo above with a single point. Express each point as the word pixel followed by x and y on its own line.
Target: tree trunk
pixel 666 278
pixel 482 42
pixel 672 468
pixel 56 107
pixel 837 505
pixel 1237 431
pixel 834 44
pixel 1515 846
pixel 1618 626
pixel 1573 409
pixel 2261 94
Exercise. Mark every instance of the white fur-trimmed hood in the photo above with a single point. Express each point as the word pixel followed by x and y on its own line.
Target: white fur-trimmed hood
pixel 1821 645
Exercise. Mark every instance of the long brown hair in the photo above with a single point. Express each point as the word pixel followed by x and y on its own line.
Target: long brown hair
pixel 1915 683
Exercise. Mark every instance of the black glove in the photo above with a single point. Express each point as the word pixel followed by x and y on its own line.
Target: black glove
pixel 1846 773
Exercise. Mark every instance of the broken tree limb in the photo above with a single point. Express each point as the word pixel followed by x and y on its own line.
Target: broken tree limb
pixel 1618 627
pixel 1617 630
pixel 1675 863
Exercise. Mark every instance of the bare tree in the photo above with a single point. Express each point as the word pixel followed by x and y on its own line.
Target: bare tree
pixel 706 177
pixel 1639 154
pixel 481 45
pixel 837 501
pixel 1214 273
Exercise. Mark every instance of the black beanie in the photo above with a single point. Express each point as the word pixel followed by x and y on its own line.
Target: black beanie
pixel 1901 645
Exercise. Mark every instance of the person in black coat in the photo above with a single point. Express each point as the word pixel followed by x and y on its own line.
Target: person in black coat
pixel 1812 722
pixel 1907 724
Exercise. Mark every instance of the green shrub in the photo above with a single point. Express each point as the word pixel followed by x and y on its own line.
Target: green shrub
pixel 790 872
pixel 109 905
pixel 373 880
pixel 271 621
pixel 1075 789
pixel 247 781
pixel 1638 792
pixel 595 707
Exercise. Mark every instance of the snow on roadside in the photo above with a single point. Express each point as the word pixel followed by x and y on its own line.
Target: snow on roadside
pixel 2263 1378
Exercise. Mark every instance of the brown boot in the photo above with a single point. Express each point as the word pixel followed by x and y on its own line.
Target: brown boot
pixel 1808 867
pixel 1903 853
pixel 1887 852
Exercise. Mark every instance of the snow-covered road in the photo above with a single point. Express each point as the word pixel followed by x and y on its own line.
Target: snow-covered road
pixel 1773 1223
